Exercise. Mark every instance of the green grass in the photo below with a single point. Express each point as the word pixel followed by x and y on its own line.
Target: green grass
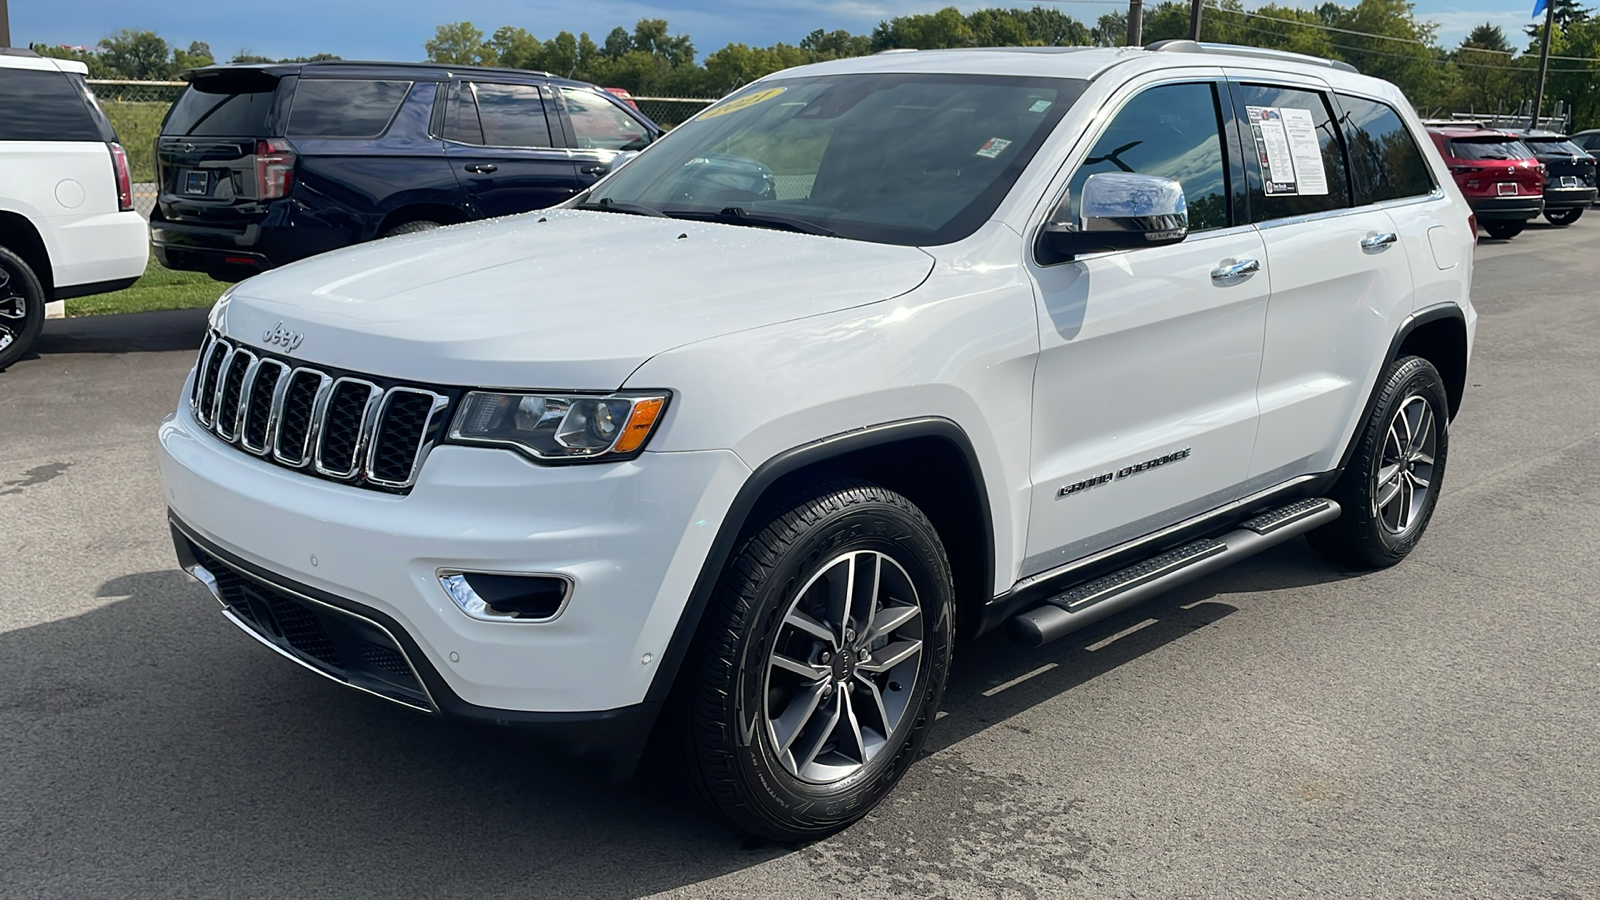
pixel 160 288
pixel 137 125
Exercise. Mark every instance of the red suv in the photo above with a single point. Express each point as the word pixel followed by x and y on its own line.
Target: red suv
pixel 1497 172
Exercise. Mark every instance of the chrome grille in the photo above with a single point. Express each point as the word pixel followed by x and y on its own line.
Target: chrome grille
pixel 337 425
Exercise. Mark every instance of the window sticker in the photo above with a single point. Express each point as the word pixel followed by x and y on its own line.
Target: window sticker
pixel 1039 106
pixel 993 147
pixel 1288 150
pixel 738 103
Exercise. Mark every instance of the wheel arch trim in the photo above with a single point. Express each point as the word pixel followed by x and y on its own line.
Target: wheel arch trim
pixel 1439 312
pixel 789 462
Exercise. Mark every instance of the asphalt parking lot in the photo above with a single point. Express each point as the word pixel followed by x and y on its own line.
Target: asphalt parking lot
pixel 1282 729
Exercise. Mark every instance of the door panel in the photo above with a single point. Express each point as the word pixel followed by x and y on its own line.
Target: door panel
pixel 1144 397
pixel 1341 283
pixel 500 144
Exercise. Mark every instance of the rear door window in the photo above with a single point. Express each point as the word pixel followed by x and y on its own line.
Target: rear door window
pixel 326 107
pixel 1554 146
pixel 1385 162
pixel 497 115
pixel 222 107
pixel 40 105
pixel 1294 155
pixel 600 125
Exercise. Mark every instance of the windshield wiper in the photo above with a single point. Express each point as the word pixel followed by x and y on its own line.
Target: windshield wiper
pixel 734 215
pixel 606 204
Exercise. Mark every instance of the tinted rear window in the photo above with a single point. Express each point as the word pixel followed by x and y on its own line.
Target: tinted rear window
pixel 1555 146
pixel 1488 148
pixel 344 107
pixel 218 107
pixel 44 106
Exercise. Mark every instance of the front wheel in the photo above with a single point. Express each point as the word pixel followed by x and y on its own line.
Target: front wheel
pixel 1564 217
pixel 819 665
pixel 1391 486
pixel 21 307
pixel 1504 230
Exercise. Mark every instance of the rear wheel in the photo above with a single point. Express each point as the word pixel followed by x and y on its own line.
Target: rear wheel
pixel 1564 217
pixel 1504 230
pixel 1391 485
pixel 21 307
pixel 820 664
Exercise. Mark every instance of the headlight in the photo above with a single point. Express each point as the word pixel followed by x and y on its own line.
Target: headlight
pixel 561 427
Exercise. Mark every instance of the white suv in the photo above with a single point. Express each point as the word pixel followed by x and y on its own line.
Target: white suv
pixel 869 357
pixel 67 223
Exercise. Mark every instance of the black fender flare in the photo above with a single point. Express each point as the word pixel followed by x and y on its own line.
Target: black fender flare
pixel 764 477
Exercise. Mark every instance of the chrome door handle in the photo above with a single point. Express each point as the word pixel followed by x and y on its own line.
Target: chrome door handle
pixel 1235 269
pixel 1379 241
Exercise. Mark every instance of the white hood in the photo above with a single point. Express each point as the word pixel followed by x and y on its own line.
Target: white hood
pixel 561 299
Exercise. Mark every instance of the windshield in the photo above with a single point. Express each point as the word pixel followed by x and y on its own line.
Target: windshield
pixel 891 158
pixel 1555 147
pixel 1489 148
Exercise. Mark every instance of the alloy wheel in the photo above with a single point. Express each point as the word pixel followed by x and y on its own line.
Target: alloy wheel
pixel 843 667
pixel 13 309
pixel 1405 475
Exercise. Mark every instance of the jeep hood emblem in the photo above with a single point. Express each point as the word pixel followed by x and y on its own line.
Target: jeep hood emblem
pixel 283 337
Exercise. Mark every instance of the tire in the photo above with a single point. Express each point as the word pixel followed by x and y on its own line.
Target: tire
pixel 1391 486
pixel 1504 230
pixel 1564 217
pixel 417 226
pixel 21 307
pixel 774 656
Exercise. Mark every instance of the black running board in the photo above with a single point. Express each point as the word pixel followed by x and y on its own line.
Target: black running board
pixel 1090 602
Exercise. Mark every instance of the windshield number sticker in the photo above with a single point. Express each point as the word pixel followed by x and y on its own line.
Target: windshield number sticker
pixel 1288 150
pixel 993 147
pixel 1039 106
pixel 738 103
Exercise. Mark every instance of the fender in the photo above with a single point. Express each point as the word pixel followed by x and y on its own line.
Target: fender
pixel 768 474
pixel 1419 318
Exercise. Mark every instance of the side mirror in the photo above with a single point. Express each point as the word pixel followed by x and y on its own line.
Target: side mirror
pixel 622 158
pixel 1119 211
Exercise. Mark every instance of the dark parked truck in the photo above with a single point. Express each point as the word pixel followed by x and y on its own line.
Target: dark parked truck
pixel 261 165
pixel 1569 186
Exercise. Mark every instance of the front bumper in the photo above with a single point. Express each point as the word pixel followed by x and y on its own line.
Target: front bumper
pixel 369 651
pixel 632 536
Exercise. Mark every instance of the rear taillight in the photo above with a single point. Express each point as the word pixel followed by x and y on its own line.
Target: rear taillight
pixel 274 169
pixel 1472 226
pixel 119 165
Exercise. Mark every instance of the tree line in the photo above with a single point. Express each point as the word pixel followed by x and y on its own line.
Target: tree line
pixel 136 55
pixel 1385 38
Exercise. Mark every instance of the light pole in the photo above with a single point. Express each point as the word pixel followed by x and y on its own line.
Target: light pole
pixel 1544 57
pixel 1194 19
pixel 1135 23
pixel 5 26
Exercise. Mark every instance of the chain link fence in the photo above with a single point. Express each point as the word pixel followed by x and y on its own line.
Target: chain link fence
pixel 670 112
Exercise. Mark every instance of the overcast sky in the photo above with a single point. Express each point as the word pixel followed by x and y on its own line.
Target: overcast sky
pixel 395 29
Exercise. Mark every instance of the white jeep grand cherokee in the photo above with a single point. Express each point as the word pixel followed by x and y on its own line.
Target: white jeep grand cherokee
pixel 873 355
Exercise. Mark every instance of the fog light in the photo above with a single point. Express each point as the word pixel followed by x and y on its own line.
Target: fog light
pixel 494 597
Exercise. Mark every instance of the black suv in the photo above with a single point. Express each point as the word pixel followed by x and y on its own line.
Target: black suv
pixel 261 165
pixel 1569 181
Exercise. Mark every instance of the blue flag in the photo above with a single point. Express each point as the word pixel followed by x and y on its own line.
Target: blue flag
pixel 1539 7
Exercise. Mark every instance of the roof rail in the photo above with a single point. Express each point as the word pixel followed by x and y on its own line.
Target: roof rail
pixel 1182 46
pixel 18 51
